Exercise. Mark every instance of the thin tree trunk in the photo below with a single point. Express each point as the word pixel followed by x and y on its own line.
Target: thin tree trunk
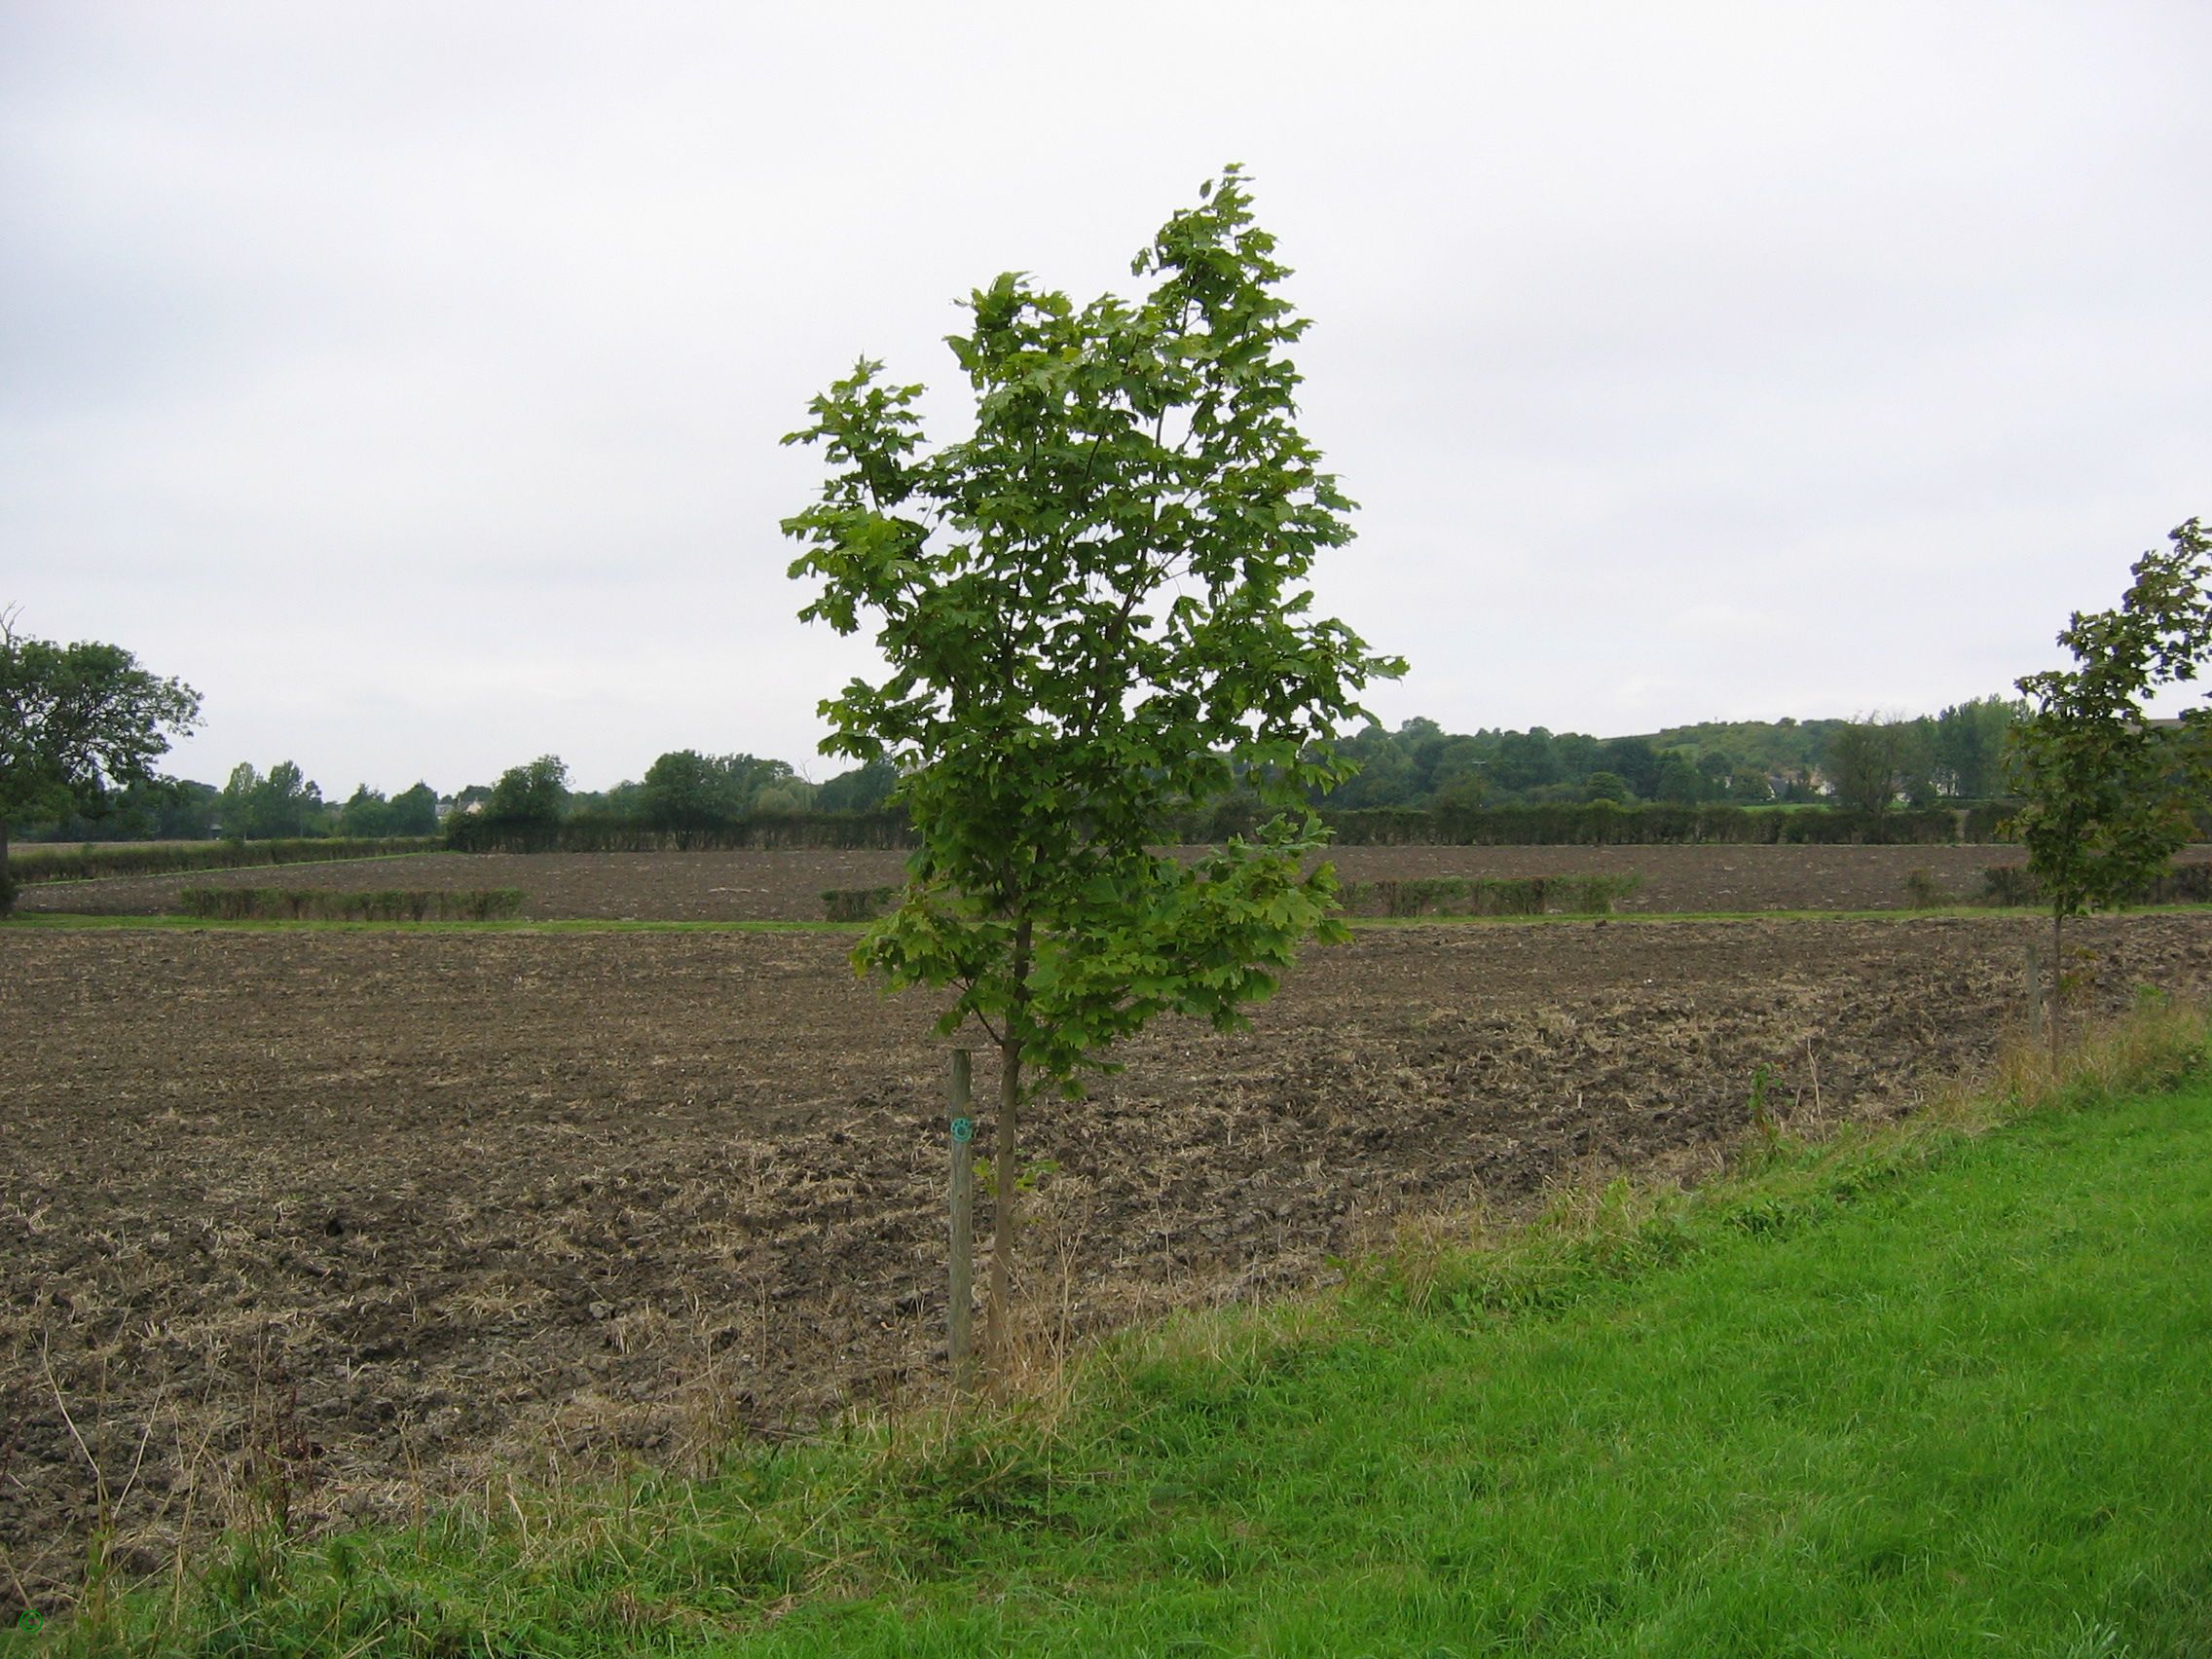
pixel 7 893
pixel 2058 976
pixel 1004 1153
pixel 1003 1169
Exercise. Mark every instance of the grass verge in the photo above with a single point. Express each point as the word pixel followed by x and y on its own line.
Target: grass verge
pixel 1931 1390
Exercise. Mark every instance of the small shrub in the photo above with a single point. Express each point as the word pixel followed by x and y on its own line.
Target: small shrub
pixel 1593 895
pixel 1922 891
pixel 857 903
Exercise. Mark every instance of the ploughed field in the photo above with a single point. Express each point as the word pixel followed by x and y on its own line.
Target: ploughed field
pixel 322 1221
pixel 788 886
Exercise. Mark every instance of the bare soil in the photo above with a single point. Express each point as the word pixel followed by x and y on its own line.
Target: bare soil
pixel 788 886
pixel 327 1222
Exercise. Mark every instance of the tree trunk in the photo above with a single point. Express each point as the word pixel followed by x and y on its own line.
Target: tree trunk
pixel 998 1330
pixel 1004 1170
pixel 7 888
pixel 2057 976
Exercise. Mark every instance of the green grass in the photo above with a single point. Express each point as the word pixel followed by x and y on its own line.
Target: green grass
pixel 1938 1392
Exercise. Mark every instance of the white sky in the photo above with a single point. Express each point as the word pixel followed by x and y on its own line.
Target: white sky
pixel 408 377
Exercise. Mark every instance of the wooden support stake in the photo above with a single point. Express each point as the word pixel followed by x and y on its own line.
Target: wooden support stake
pixel 2035 993
pixel 959 1340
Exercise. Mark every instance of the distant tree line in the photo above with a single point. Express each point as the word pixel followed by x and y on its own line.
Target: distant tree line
pixel 688 799
pixel 1868 765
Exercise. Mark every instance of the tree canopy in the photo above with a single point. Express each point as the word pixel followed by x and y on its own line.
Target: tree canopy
pixel 76 723
pixel 2110 795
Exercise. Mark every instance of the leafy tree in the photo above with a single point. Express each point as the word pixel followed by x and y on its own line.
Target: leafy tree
pixel 864 789
pixel 1577 757
pixel 1633 759
pixel 784 796
pixel 1382 772
pixel 1871 763
pixel 2111 796
pixel 1524 760
pixel 365 813
pixel 1451 765
pixel 283 805
pixel 528 802
pixel 77 722
pixel 688 794
pixel 1748 785
pixel 1606 786
pixel 1093 614
pixel 1863 762
pixel 415 811
pixel 157 809
pixel 685 792
pixel 1969 745
pixel 1679 779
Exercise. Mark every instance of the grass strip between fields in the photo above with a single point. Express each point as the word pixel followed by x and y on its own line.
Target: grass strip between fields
pixel 1936 1389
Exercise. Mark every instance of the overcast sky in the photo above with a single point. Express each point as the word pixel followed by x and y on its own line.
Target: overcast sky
pixel 408 378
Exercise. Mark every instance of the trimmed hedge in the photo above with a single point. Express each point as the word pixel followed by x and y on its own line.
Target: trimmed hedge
pixel 1600 824
pixel 93 860
pixel 1596 824
pixel 605 832
pixel 2182 884
pixel 1490 896
pixel 330 905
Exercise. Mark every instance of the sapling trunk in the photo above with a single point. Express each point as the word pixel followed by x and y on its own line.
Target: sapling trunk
pixel 7 888
pixel 1003 1169
pixel 1005 1146
pixel 2057 976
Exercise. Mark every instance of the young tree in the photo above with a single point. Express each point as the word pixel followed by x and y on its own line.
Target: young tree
pixel 77 722
pixel 2110 796
pixel 1094 613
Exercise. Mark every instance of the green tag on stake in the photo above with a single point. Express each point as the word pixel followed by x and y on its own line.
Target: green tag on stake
pixel 963 1131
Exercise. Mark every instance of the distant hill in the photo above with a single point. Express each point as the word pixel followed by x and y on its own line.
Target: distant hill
pixel 1785 745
